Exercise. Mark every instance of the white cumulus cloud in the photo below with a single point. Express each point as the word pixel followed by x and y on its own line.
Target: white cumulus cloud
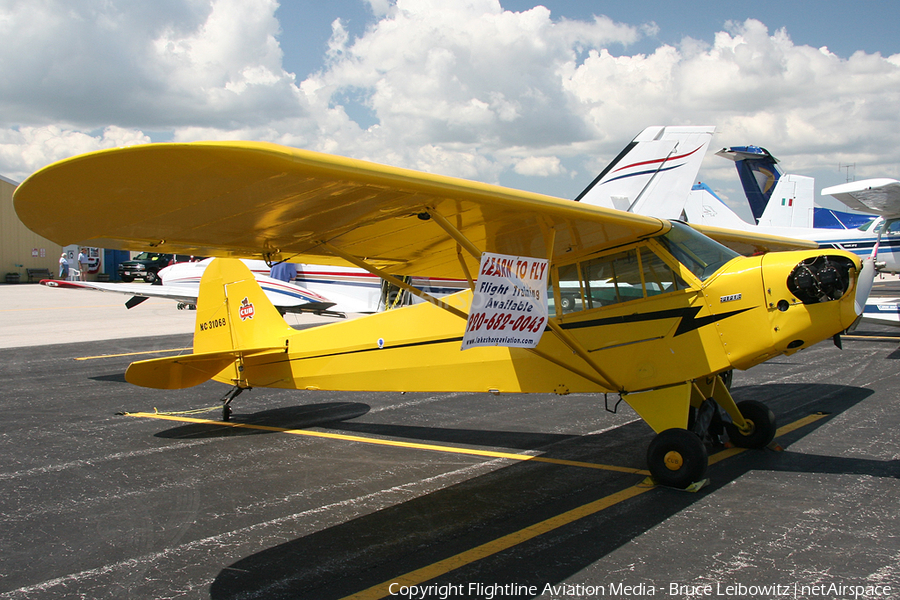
pixel 463 88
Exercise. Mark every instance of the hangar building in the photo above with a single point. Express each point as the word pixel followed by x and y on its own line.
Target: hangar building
pixel 20 248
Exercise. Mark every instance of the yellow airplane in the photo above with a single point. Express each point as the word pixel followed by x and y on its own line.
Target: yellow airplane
pixel 563 297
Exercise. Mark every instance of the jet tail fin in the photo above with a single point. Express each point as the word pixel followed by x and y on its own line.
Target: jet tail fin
pixel 235 320
pixel 653 175
pixel 759 173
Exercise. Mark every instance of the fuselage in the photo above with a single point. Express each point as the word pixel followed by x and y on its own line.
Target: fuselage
pixel 657 312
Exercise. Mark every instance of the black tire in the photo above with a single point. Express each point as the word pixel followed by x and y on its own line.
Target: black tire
pixel 567 303
pixel 677 458
pixel 151 278
pixel 127 278
pixel 727 378
pixel 763 421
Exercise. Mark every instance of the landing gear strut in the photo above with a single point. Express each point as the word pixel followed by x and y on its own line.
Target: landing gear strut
pixel 226 401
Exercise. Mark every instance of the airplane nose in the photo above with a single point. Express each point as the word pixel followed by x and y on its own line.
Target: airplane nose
pixel 820 279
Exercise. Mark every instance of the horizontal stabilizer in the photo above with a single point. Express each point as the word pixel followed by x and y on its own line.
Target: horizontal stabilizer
pixel 178 372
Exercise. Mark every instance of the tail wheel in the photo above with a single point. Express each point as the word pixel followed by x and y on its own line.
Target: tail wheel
pixel 677 458
pixel 762 425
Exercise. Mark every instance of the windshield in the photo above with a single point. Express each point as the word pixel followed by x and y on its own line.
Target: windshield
pixel 701 255
pixel 868 225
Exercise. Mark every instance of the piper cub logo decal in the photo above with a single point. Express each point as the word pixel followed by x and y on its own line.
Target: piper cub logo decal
pixel 246 310
pixel 730 298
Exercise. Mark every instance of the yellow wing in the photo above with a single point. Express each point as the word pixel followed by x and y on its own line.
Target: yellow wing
pixel 245 199
pixel 750 243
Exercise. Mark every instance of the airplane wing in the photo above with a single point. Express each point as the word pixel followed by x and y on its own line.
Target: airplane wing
pixel 750 242
pixel 178 294
pixel 873 196
pixel 245 199
pixel 285 296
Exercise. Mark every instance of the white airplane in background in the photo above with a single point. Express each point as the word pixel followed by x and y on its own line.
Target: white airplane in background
pixel 317 289
pixel 181 282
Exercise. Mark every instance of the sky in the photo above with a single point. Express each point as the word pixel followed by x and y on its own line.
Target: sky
pixel 533 96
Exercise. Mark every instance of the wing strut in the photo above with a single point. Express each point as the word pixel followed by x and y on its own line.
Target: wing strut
pixel 461 239
pixel 455 233
pixel 394 280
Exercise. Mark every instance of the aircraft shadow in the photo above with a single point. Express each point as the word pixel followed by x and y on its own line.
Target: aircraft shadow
pixel 114 378
pixel 292 417
pixel 375 548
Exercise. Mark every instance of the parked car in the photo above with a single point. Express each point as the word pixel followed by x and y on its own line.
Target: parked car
pixel 147 265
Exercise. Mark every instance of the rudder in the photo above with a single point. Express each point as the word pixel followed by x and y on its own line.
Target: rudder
pixel 233 312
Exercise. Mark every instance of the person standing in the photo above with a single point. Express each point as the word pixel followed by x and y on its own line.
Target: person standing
pixel 63 267
pixel 82 265
pixel 283 271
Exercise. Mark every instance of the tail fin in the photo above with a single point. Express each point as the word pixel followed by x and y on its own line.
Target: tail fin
pixel 705 207
pixel 790 203
pixel 759 173
pixel 235 319
pixel 233 312
pixel 653 175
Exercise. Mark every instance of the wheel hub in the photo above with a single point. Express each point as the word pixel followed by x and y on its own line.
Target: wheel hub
pixel 673 460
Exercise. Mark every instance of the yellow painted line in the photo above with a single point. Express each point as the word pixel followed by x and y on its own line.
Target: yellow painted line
pixel 783 430
pixel 799 423
pixel 500 544
pixel 443 567
pixel 392 443
pixel 131 354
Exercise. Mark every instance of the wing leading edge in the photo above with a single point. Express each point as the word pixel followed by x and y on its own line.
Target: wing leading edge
pixel 262 200
pixel 252 200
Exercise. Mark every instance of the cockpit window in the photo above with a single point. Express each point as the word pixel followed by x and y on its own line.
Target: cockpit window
pixel 868 225
pixel 701 255
pixel 614 278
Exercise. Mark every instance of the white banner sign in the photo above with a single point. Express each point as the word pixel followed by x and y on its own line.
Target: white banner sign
pixel 510 303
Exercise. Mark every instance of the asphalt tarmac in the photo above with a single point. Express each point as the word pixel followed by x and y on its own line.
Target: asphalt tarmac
pixel 330 495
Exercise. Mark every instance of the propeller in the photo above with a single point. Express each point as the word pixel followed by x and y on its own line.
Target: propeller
pixel 864 283
pixel 867 274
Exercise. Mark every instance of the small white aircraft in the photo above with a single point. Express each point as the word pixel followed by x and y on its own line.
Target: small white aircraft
pixel 181 282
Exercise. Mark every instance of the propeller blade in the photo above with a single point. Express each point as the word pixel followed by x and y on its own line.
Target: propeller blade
pixel 864 283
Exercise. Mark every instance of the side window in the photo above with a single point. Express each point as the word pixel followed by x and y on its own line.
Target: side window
pixel 569 288
pixel 659 278
pixel 615 278
pixel 612 279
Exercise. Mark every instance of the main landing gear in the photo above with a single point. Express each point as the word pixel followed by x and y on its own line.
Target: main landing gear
pixel 678 457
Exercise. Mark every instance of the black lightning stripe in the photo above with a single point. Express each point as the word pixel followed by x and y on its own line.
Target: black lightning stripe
pixel 688 315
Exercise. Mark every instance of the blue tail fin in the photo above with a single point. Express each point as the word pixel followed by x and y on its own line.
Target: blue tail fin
pixel 759 173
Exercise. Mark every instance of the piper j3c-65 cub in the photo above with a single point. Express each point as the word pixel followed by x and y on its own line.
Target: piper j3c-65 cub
pixel 654 310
